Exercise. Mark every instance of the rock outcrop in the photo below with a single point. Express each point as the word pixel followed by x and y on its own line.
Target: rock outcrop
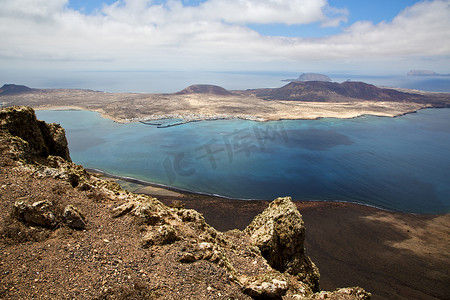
pixel 41 138
pixel 38 213
pixel 279 233
pixel 44 213
pixel 133 246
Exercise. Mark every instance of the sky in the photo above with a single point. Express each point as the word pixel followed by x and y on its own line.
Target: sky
pixel 354 36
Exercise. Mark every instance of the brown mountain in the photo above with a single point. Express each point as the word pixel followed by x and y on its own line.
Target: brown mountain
pixel 334 92
pixel 204 89
pixel 11 89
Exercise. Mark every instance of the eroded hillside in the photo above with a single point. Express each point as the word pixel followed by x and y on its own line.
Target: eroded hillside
pixel 66 233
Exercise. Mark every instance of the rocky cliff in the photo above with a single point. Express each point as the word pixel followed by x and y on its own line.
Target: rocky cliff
pixel 66 233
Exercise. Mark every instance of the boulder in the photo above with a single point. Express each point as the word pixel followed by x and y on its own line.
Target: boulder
pixel 160 235
pixel 279 233
pixel 38 213
pixel 73 218
pixel 270 285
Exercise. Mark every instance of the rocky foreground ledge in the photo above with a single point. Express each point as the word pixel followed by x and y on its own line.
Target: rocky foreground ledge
pixel 65 233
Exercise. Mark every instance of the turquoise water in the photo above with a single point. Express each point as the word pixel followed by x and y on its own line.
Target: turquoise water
pixel 398 163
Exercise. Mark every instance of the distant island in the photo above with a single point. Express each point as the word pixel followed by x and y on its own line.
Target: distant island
pixel 295 100
pixel 310 77
pixel 424 73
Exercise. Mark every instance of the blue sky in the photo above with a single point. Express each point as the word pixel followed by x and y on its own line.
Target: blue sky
pixel 365 36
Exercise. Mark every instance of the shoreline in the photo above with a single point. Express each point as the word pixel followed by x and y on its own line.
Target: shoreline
pixel 347 241
pixel 147 120
pixel 184 192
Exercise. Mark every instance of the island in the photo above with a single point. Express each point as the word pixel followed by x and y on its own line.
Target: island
pixel 310 77
pixel 424 73
pixel 295 100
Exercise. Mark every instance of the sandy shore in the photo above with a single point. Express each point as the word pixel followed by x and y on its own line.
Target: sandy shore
pixel 393 255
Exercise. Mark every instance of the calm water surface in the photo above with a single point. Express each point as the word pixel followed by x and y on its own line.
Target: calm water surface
pixel 398 163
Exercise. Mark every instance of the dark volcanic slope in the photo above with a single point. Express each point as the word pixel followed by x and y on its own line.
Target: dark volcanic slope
pixel 324 91
pixel 11 89
pixel 204 89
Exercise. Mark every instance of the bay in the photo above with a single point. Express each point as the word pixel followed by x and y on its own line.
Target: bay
pixel 400 164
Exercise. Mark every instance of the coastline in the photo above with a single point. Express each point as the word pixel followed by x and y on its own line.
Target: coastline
pixel 152 189
pixel 347 241
pixel 193 107
pixel 185 120
pixel 103 114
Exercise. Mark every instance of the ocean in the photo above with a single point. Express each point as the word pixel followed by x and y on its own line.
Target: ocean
pixel 174 81
pixel 400 164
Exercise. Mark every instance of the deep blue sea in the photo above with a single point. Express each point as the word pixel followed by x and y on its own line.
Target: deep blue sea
pixel 400 164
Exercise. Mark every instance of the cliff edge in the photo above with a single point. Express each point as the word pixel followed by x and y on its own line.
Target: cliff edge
pixel 66 233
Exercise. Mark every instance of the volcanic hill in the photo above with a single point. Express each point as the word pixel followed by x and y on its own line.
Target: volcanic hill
pixel 11 89
pixel 204 89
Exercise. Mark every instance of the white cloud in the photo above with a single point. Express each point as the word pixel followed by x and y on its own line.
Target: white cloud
pixel 140 34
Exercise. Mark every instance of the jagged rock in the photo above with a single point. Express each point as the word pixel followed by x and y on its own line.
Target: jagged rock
pixel 60 147
pixel 59 168
pixel 42 139
pixel 164 234
pixel 38 213
pixel 271 285
pixel 279 233
pixel 73 218
pixel 149 210
pixel 123 209
pixel 202 250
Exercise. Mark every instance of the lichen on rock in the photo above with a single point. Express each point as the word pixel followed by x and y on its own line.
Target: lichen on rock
pixel 43 213
pixel 38 213
pixel 161 235
pixel 279 233
pixel 42 139
pixel 270 285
